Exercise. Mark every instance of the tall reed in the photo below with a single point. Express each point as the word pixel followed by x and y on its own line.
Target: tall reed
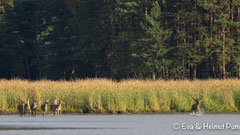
pixel 127 96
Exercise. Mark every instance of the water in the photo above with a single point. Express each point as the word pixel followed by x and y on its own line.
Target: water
pixel 121 124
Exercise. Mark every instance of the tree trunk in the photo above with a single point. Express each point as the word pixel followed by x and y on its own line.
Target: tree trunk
pixel 153 76
pixel 37 48
pixel 183 64
pixel 178 20
pixel 238 40
pixel 211 45
pixel 26 58
pixel 178 27
pixel 164 74
pixel 38 60
pixel 223 54
pixel 232 15
pixel 167 75
pixel 194 72
pixel 188 68
pixel 186 53
pixel 1 4
pixel 238 71
pixel 238 14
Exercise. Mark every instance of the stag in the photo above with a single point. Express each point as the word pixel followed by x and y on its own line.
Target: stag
pixel 196 106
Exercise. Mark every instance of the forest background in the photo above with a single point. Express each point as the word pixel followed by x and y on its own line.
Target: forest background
pixel 119 39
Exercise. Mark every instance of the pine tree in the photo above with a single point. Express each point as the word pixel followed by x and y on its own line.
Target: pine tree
pixel 151 48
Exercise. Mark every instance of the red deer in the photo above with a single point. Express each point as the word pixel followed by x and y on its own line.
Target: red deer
pixel 196 106
pixel 56 108
pixel 20 108
pixel 27 108
pixel 44 108
pixel 34 107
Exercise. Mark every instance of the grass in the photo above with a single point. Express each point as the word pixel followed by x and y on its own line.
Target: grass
pixel 128 96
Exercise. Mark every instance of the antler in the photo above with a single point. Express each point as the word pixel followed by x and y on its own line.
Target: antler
pixel 192 98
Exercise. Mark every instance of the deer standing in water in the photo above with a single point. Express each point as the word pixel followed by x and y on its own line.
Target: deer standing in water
pixel 34 107
pixel 20 108
pixel 56 108
pixel 196 106
pixel 27 108
pixel 44 108
pixel 53 106
pixel 59 107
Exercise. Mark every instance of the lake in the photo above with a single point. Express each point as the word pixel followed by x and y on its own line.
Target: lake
pixel 159 124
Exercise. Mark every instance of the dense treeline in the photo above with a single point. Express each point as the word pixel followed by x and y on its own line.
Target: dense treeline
pixel 67 39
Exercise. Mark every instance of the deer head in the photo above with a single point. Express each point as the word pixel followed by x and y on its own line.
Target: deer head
pixel 197 100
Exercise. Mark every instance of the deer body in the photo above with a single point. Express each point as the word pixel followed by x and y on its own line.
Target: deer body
pixel 21 108
pixel 59 109
pixel 56 108
pixel 34 107
pixel 196 106
pixel 53 106
pixel 27 108
pixel 44 108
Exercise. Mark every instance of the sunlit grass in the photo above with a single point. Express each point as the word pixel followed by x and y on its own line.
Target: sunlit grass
pixel 128 96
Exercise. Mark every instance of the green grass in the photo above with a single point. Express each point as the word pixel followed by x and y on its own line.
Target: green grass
pixel 129 96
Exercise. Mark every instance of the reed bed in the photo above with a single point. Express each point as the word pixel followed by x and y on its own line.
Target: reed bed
pixel 127 96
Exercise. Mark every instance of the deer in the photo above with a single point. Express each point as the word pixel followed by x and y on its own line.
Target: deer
pixel 34 107
pixel 20 108
pixel 57 108
pixel 53 106
pixel 44 108
pixel 196 106
pixel 55 102
pixel 27 108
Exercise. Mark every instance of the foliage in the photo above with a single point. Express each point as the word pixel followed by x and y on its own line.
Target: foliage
pixel 70 39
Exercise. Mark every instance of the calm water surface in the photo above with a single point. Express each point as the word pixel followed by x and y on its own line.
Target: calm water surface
pixel 227 124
